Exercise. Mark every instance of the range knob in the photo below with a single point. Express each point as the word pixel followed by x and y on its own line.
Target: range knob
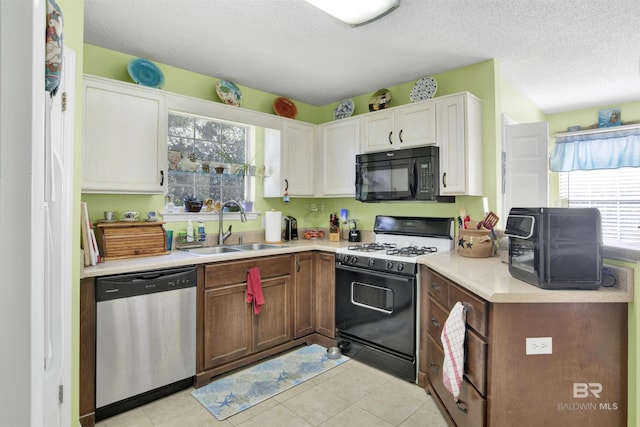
pixel 371 262
pixel 389 265
pixel 400 266
pixel 353 260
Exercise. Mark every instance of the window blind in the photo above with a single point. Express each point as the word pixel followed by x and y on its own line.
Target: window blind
pixel 615 192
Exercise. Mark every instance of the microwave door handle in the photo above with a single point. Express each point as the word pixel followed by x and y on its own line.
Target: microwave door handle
pixel 413 179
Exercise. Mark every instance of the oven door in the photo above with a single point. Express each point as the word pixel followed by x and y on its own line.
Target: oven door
pixel 378 308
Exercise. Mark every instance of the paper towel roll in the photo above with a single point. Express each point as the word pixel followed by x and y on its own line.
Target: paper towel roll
pixel 273 226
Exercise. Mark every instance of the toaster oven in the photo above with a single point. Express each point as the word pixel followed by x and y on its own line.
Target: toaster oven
pixel 556 248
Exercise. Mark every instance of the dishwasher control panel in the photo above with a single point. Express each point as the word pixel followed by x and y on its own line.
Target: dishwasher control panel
pixel 147 282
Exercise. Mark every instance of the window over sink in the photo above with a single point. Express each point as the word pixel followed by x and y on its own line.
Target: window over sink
pixel 208 158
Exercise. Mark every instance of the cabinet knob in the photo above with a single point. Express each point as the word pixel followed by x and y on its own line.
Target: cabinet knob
pixel 400 136
pixel 390 140
pixel 161 178
pixel 435 287
pixel 434 366
pixel 444 179
pixel 435 322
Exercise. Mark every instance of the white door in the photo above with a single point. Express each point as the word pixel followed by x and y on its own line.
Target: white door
pixel 525 166
pixel 57 248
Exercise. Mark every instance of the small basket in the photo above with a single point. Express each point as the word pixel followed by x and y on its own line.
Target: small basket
pixel 475 243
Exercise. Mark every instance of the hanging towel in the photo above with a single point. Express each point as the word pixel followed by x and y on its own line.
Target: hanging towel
pixel 453 343
pixel 254 289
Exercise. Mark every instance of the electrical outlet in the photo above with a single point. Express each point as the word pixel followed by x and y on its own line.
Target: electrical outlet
pixel 540 345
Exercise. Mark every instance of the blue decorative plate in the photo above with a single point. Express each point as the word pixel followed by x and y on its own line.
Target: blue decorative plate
pixel 145 73
pixel 344 109
pixel 229 93
pixel 425 88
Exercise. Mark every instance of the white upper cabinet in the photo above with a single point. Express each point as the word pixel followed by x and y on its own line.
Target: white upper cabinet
pixel 338 144
pixel 459 136
pixel 125 138
pixel 298 158
pixel 406 126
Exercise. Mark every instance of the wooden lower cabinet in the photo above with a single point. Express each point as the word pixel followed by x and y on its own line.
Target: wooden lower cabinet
pixel 583 382
pixel 304 290
pixel 231 329
pixel 324 311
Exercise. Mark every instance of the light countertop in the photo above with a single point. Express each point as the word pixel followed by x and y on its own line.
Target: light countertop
pixel 179 258
pixel 490 279
pixel 487 277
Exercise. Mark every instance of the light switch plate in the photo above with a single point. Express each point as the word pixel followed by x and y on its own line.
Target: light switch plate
pixel 539 345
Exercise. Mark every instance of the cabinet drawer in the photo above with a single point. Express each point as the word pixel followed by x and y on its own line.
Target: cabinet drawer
pixel 475 348
pixel 477 311
pixel 227 273
pixel 439 288
pixel 437 317
pixel 470 410
pixel 475 363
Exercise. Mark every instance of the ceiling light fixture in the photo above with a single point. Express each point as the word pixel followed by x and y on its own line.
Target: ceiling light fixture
pixel 356 12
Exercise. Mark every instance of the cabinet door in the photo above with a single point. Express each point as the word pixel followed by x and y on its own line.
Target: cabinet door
pixel 304 319
pixel 339 143
pixel 325 295
pixel 124 144
pixel 227 325
pixel 459 136
pixel 299 158
pixel 377 132
pixel 272 326
pixel 415 125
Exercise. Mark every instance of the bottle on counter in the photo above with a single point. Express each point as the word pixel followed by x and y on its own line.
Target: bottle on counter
pixel 201 234
pixel 190 231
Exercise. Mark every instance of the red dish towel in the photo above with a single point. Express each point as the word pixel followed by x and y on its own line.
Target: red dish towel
pixel 453 343
pixel 254 289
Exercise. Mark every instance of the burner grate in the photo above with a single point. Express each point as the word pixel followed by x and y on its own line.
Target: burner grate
pixel 411 251
pixel 372 247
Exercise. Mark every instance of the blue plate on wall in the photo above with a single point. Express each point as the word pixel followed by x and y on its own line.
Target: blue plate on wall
pixel 145 73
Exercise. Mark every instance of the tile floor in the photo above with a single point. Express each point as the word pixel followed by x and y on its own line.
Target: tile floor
pixel 352 394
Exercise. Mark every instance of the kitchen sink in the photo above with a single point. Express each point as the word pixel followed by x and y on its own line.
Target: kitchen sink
pixel 215 250
pixel 212 250
pixel 255 246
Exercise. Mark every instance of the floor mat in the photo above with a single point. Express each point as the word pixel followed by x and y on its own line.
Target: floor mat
pixel 241 390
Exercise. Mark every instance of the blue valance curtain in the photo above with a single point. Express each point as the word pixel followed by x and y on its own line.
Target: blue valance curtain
pixel 610 149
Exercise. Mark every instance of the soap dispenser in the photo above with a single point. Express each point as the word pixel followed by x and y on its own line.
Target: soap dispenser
pixel 189 231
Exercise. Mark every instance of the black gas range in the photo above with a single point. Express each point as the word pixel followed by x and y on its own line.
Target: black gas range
pixel 376 291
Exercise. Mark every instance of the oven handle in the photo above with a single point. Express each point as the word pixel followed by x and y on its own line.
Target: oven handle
pixel 395 276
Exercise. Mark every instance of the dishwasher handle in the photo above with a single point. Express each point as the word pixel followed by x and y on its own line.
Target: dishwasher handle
pixel 149 282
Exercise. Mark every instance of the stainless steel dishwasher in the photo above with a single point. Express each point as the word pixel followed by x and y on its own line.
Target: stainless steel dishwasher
pixel 145 337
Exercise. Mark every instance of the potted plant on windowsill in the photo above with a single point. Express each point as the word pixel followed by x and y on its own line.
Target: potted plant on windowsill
pixel 192 204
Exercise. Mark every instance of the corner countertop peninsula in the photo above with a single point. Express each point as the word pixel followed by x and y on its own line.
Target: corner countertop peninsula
pixel 490 279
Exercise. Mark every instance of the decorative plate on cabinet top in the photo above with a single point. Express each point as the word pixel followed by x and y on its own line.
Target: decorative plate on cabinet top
pixel 229 93
pixel 285 107
pixel 425 88
pixel 145 73
pixel 344 109
pixel 380 100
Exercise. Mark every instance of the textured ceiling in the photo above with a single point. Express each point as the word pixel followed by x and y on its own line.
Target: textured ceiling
pixel 562 54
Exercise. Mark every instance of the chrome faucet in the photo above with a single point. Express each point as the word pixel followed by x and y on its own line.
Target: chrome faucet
pixel 243 217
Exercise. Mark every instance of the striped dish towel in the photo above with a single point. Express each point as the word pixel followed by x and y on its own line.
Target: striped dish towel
pixel 453 343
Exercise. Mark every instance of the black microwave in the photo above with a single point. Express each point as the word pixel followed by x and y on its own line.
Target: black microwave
pixel 556 248
pixel 407 174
